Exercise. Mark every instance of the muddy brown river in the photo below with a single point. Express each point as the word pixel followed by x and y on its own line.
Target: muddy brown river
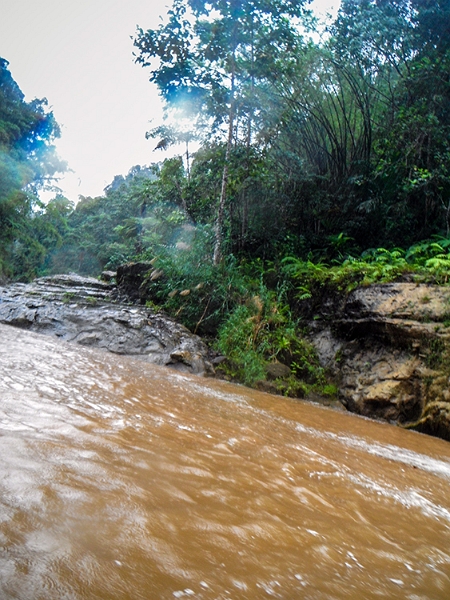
pixel 120 480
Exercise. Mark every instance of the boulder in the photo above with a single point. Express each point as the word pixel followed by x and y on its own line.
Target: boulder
pixel 276 370
pixel 133 280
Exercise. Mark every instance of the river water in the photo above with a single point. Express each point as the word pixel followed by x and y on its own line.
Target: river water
pixel 122 480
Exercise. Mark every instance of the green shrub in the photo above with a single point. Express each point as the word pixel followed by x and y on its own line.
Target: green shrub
pixel 262 331
pixel 427 261
pixel 237 341
pixel 374 266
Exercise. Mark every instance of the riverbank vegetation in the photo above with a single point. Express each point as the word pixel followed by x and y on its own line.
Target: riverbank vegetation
pixel 317 165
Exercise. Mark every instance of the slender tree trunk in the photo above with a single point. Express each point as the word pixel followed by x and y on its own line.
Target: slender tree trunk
pixel 245 201
pixel 217 257
pixel 188 162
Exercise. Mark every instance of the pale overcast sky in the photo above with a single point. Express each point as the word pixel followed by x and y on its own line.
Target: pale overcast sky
pixel 78 55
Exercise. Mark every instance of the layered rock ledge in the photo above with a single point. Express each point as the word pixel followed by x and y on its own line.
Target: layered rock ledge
pixel 85 311
pixel 388 346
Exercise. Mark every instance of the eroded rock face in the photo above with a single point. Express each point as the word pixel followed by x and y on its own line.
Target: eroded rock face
pixel 83 310
pixel 435 420
pixel 400 313
pixel 132 279
pixel 381 382
pixel 389 348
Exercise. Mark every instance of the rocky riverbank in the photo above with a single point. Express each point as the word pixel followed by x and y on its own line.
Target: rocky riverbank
pixel 386 347
pixel 85 311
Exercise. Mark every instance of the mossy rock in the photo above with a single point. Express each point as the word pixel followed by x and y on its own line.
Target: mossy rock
pixel 435 420
pixel 277 370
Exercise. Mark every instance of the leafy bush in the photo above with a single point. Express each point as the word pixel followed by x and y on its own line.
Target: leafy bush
pixel 374 266
pixel 432 258
pixel 263 331
pixel 186 284
pixel 237 341
pixel 426 261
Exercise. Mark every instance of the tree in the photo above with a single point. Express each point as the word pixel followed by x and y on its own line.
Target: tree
pixel 403 48
pixel 27 161
pixel 209 59
pixel 357 128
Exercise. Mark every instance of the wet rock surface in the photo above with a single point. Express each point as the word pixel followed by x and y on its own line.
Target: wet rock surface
pixel 388 347
pixel 85 311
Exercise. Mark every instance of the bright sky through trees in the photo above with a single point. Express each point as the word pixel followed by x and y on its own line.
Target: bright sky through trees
pixel 79 56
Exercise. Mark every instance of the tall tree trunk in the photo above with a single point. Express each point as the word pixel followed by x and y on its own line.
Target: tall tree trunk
pixel 245 201
pixel 217 257
pixel 188 161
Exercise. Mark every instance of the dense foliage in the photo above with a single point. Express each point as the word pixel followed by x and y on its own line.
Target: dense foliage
pixel 319 163
pixel 27 161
